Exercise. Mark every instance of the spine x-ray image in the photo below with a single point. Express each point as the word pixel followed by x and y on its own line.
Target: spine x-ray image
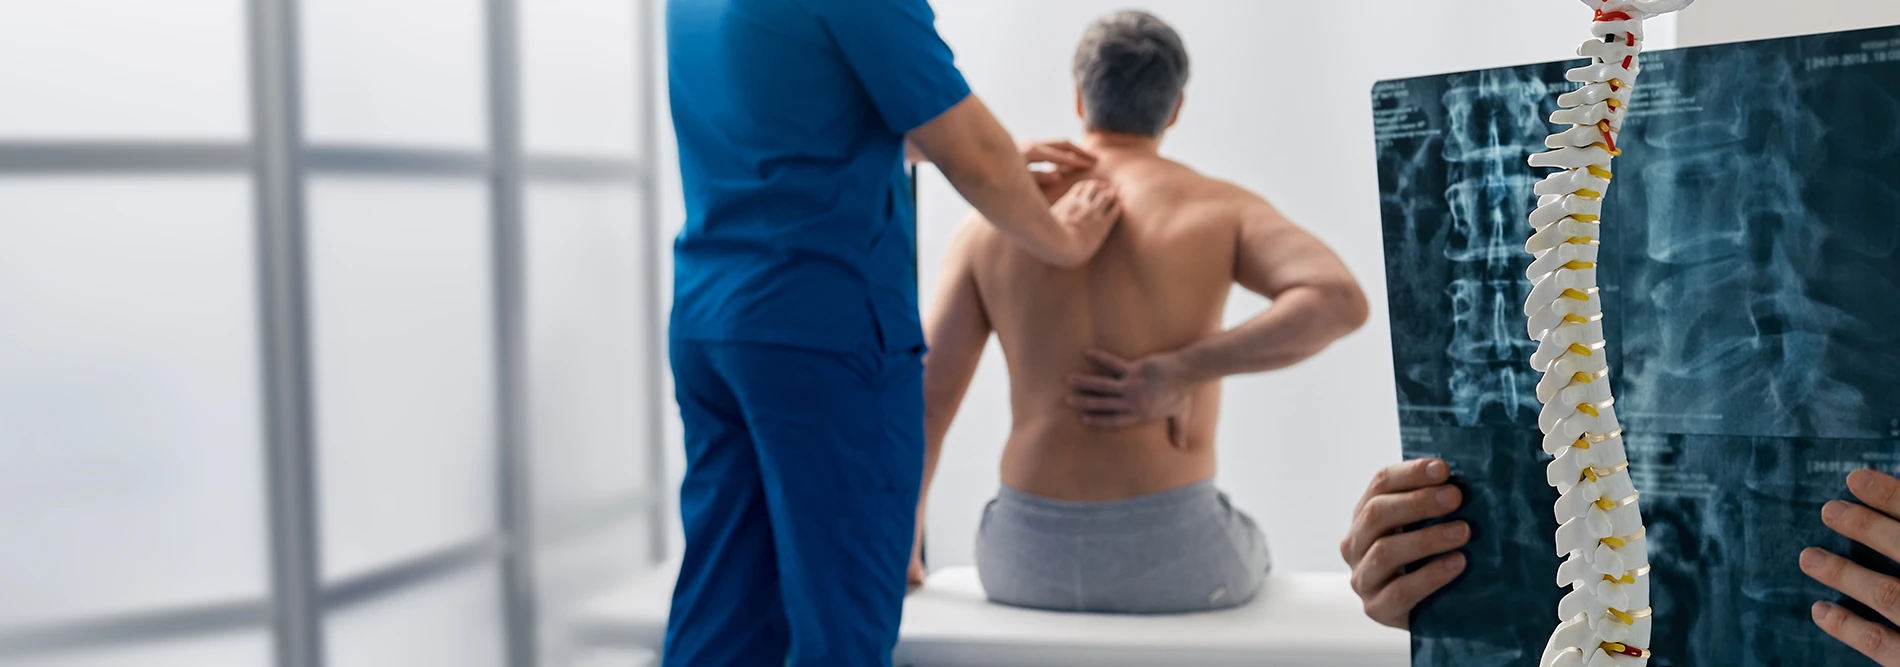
pixel 1751 280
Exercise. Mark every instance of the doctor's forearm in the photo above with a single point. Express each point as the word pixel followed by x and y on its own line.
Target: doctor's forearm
pixel 1012 203
pixel 982 162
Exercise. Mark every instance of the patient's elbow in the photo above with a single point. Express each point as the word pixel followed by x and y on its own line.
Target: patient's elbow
pixel 1343 308
pixel 1353 308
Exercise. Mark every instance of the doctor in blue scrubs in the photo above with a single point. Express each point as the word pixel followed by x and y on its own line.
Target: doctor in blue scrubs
pixel 795 343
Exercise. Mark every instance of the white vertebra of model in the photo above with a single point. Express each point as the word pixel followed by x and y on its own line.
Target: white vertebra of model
pixel 1605 620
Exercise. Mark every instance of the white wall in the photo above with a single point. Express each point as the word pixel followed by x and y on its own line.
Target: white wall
pixel 1719 21
pixel 1279 103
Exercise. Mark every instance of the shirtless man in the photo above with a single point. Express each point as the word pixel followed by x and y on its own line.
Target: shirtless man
pixel 1108 502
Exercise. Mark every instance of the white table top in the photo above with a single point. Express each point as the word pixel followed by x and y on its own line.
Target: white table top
pixel 1298 620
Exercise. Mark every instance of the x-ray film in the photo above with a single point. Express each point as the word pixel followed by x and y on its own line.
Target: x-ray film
pixel 1750 277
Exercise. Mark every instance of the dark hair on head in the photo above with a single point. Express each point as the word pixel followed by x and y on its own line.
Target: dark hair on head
pixel 1131 67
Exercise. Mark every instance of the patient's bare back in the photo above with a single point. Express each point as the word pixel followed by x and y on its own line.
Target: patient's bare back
pixel 1159 283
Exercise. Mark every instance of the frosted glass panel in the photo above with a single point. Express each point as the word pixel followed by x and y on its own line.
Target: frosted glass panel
pixel 580 76
pixel 172 69
pixel 587 342
pixel 576 566
pixel 130 468
pixel 401 301
pixel 455 622
pixel 409 72
pixel 243 649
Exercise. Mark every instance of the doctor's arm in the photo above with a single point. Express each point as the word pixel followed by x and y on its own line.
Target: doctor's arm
pixel 983 163
pixel 956 329
pixel 911 78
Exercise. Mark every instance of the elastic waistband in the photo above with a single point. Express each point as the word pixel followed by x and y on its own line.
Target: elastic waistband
pixel 1199 493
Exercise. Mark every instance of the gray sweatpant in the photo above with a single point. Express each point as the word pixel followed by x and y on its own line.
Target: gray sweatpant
pixel 1177 551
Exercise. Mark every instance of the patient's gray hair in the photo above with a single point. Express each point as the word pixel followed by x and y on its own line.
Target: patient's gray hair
pixel 1130 67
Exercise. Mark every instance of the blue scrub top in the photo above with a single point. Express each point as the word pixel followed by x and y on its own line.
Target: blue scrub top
pixel 791 117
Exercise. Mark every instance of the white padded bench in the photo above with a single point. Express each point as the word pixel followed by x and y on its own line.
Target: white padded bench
pixel 1298 620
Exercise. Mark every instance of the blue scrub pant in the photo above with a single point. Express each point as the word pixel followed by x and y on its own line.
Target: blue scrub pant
pixel 800 498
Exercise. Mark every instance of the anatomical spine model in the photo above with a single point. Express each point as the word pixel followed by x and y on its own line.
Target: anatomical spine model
pixel 1605 618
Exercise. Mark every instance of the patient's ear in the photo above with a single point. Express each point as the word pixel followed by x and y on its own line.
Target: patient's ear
pixel 1179 101
pixel 1078 104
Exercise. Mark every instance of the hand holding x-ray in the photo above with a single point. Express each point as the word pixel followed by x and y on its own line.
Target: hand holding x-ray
pixel 1871 524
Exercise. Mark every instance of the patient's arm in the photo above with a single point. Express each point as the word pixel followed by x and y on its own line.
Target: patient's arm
pixel 1315 302
pixel 956 329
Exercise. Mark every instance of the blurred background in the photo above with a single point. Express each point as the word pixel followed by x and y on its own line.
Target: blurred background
pixel 334 327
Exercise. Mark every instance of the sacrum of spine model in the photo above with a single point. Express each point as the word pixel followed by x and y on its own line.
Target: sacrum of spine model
pixel 1605 619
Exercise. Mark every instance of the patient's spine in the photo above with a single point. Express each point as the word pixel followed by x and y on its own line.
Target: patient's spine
pixel 1605 619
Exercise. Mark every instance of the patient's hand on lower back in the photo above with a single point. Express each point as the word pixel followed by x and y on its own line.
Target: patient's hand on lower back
pixel 1125 393
pixel 1378 550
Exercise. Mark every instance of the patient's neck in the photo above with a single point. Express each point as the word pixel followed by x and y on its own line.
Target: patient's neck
pixel 1098 141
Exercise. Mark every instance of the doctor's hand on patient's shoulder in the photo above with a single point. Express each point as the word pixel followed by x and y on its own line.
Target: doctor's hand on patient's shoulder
pixel 1871 524
pixel 1055 184
pixel 1123 393
pixel 1086 214
pixel 1378 548
pixel 1068 165
pixel 1059 152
